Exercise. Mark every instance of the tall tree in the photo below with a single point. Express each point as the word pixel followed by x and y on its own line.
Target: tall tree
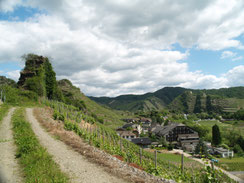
pixel 216 136
pixel 209 106
pixel 50 80
pixel 198 104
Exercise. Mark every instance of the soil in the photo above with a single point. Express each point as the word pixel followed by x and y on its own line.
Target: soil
pixel 9 168
pixel 71 162
pixel 113 165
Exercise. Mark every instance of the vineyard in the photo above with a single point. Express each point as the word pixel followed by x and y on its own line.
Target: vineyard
pixel 100 136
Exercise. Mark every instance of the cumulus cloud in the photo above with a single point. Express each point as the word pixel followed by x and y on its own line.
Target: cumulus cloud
pixel 227 54
pixel 116 47
pixel 235 76
pixel 14 74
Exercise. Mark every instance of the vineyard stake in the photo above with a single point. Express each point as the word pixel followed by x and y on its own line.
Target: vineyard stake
pixel 155 159
pixel 182 162
pixel 140 155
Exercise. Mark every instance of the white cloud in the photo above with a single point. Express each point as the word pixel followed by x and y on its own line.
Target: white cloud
pixel 227 54
pixel 235 76
pixel 14 74
pixel 8 5
pixel 237 58
pixel 115 47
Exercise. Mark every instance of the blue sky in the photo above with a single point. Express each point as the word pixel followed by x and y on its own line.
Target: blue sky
pixel 118 47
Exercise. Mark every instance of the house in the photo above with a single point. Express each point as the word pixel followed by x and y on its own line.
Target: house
pixel 133 126
pixel 128 135
pixel 188 142
pixel 177 134
pixel 224 153
pixel 143 142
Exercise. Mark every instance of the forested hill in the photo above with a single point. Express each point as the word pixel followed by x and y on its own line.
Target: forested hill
pixel 179 100
pixel 157 100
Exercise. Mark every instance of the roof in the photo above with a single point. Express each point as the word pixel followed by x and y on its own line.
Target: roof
pixel 145 120
pixel 141 141
pixel 221 150
pixel 127 125
pixel 168 128
pixel 126 133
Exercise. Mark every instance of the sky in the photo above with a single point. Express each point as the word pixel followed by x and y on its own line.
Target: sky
pixel 110 48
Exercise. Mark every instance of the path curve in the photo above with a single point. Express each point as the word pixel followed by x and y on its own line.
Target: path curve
pixel 9 168
pixel 71 162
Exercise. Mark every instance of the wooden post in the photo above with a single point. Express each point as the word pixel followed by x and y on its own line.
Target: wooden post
pixel 140 155
pixel 212 165
pixel 155 159
pixel 120 143
pixel 182 162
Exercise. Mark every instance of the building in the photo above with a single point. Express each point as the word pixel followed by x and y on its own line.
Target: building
pixel 128 135
pixel 178 134
pixel 143 142
pixel 188 142
pixel 133 126
pixel 224 153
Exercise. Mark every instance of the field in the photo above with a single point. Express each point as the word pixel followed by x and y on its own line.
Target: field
pixel 234 164
pixel 237 126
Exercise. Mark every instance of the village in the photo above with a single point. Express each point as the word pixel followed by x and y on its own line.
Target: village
pixel 148 135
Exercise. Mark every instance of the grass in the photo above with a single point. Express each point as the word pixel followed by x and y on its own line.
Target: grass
pixel 234 164
pixel 173 157
pixel 3 111
pixel 37 164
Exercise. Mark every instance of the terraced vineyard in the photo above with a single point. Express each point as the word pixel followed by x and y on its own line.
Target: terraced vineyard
pixel 106 139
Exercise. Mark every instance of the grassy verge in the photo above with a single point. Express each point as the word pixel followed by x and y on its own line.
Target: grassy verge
pixel 37 164
pixel 3 111
pixel 234 164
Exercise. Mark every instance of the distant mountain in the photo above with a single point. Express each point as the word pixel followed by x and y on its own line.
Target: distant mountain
pixel 149 101
pixel 179 99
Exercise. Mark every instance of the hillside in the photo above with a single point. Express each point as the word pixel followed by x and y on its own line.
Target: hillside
pixel 179 100
pixel 7 81
pixel 73 95
pixel 39 77
pixel 149 101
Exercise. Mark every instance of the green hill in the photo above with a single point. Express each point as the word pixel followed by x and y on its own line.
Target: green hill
pixel 149 101
pixel 39 77
pixel 180 100
pixel 73 95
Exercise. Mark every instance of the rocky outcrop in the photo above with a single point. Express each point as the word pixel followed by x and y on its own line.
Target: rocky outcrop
pixel 32 66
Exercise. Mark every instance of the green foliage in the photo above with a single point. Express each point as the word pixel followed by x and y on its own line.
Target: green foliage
pixel 209 106
pixel 198 105
pixel 3 111
pixel 106 139
pixel 216 136
pixel 39 77
pixel 201 148
pixel 37 164
pixel 16 96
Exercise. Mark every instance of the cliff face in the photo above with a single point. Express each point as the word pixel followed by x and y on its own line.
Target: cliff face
pixel 32 67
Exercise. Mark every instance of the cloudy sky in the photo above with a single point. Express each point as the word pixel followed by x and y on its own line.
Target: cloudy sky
pixel 113 47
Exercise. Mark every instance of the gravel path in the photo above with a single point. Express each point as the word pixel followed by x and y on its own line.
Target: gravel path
pixel 9 168
pixel 71 162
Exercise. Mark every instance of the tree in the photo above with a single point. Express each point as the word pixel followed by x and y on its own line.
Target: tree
pixel 50 80
pixel 216 136
pixel 197 108
pixel 209 106
pixel 201 148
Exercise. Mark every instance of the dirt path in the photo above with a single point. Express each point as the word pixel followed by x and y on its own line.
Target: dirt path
pixel 9 168
pixel 71 162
